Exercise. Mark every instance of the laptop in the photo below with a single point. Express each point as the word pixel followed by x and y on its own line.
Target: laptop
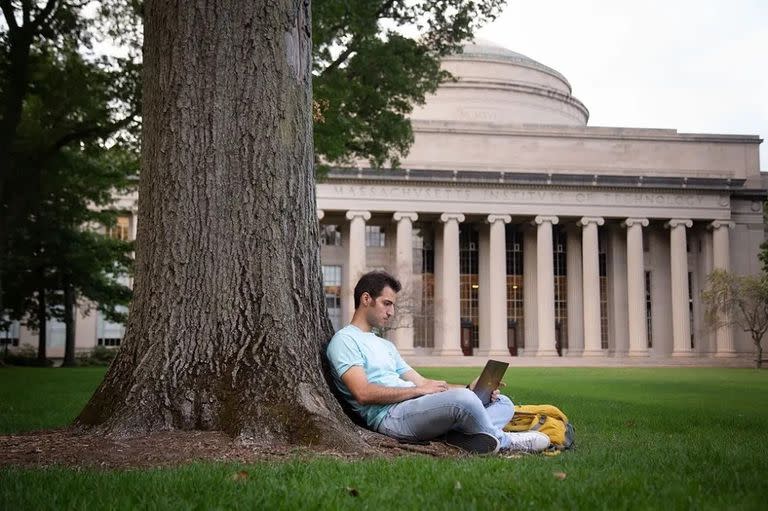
pixel 490 379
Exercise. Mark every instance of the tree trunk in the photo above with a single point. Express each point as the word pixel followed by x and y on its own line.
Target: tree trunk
pixel 42 340
pixel 228 321
pixel 19 43
pixel 759 346
pixel 69 325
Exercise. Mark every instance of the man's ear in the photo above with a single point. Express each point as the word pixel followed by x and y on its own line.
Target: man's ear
pixel 365 298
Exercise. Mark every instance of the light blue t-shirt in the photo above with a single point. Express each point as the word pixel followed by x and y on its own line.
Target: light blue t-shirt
pixel 380 360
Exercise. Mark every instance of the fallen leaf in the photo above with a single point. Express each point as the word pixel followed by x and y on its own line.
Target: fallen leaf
pixel 559 475
pixel 240 476
pixel 353 491
pixel 457 486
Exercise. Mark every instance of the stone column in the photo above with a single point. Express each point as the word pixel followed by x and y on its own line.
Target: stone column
pixel 591 276
pixel 678 259
pixel 493 335
pixel 530 300
pixel 403 334
pixel 545 285
pixel 355 264
pixel 638 328
pixel 721 260
pixel 450 312
pixel 575 293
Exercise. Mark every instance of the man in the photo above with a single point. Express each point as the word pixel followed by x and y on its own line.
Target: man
pixel 397 401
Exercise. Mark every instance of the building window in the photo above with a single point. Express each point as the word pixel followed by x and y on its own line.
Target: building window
pixel 423 298
pixel 514 241
pixel 330 235
pixel 122 228
pixel 10 336
pixel 468 278
pixel 648 309
pixel 560 255
pixel 107 332
pixel 375 236
pixel 603 264
pixel 332 290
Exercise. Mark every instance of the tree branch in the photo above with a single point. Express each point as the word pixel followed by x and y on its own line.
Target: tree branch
pixel 90 132
pixel 7 8
pixel 351 46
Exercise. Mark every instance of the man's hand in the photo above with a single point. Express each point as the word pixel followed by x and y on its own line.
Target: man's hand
pixel 494 395
pixel 433 386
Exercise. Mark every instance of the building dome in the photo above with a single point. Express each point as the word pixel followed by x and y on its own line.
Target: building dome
pixel 499 86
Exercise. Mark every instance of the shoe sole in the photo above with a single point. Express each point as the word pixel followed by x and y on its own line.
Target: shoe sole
pixel 477 443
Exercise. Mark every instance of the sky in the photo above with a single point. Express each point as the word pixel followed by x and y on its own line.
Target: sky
pixel 695 66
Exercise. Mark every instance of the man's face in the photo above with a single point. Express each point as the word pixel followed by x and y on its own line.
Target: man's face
pixel 379 310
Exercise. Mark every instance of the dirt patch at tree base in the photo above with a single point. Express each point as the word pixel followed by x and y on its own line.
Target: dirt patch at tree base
pixel 65 447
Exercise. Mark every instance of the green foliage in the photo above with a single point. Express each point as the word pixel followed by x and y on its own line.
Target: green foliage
pixel 98 356
pixel 368 75
pixel 738 300
pixel 69 122
pixel 25 355
pixel 681 438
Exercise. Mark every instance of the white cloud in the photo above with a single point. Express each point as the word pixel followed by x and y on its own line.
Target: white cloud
pixel 696 66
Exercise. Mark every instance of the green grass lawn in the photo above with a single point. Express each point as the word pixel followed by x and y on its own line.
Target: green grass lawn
pixel 689 438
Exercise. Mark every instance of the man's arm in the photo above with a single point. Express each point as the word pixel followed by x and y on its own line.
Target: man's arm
pixel 367 393
pixel 418 379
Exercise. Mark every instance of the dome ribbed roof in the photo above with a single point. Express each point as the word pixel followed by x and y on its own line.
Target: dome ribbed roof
pixel 482 49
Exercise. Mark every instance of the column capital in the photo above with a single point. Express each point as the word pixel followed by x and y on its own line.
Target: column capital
pixel 586 220
pixel 676 222
pixel 717 224
pixel 402 215
pixel 540 219
pixel 498 218
pixel 629 222
pixel 365 215
pixel 320 214
pixel 447 217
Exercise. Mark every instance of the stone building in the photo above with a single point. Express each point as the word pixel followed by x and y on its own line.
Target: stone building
pixel 517 229
pixel 515 226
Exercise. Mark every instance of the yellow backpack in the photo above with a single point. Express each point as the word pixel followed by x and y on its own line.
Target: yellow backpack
pixel 546 419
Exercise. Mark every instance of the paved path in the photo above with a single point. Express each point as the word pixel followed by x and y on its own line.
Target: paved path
pixel 418 360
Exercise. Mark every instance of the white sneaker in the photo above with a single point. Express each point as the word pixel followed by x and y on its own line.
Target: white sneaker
pixel 526 441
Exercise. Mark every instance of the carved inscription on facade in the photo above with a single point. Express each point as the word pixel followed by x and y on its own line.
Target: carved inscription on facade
pixel 523 196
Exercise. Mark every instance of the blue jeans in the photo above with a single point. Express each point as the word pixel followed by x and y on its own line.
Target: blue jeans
pixel 433 415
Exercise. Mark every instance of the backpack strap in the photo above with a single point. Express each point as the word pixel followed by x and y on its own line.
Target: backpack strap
pixel 538 425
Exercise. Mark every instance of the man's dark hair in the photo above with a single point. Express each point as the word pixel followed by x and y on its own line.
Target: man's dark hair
pixel 374 283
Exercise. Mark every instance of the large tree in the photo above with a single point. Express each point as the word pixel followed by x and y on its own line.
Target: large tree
pixel 228 318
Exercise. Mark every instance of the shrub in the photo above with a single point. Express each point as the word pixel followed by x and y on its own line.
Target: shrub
pixel 26 355
pixel 98 356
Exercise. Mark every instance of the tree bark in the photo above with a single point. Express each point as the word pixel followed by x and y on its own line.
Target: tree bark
pixel 42 340
pixel 69 325
pixel 228 322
